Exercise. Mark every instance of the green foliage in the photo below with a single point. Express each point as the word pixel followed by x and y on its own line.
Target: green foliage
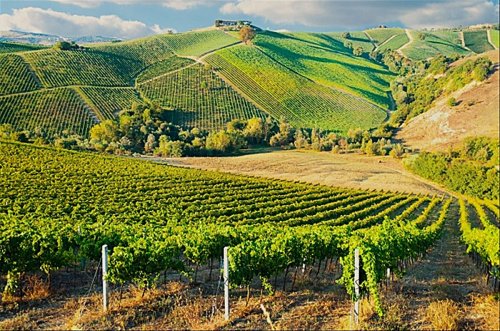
pixel 472 171
pixel 320 60
pixel 52 111
pixel 477 41
pixel 432 45
pixel 15 75
pixel 65 46
pixel 452 102
pixel 207 106
pixel 283 93
pixel 416 93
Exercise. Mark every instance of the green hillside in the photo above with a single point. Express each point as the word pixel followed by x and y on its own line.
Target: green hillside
pixel 199 98
pixel 432 45
pixel 477 41
pixel 380 36
pixel 284 93
pixel 7 47
pixel 15 75
pixel 495 37
pixel 51 111
pixel 107 101
pixel 328 64
pixel 313 80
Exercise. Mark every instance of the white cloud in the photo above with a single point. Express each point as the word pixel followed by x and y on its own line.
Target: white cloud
pixel 174 4
pixel 359 13
pixel 60 23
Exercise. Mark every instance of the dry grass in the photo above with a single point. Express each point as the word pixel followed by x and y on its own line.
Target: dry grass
pixel 35 288
pixel 346 170
pixel 20 322
pixel 487 308
pixel 443 315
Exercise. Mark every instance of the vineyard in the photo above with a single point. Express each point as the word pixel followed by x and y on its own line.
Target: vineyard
pixel 199 99
pixel 432 45
pixel 6 47
pixel 198 43
pixel 51 111
pixel 15 75
pixel 156 218
pixel 395 43
pixel 324 65
pixel 106 102
pixel 477 41
pixel 283 93
pixel 380 36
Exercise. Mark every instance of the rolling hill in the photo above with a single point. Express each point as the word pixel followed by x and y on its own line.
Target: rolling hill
pixel 443 126
pixel 208 77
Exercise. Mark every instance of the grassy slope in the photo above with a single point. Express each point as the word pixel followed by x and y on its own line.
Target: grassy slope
pixel 282 92
pixel 432 45
pixel 329 64
pixel 395 43
pixel 495 37
pixel 382 35
pixel 477 41
pixel 199 98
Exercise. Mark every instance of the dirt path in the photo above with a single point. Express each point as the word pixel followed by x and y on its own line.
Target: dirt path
pixel 445 273
pixel 410 40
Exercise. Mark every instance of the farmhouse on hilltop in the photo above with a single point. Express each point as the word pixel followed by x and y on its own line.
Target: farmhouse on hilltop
pixel 231 24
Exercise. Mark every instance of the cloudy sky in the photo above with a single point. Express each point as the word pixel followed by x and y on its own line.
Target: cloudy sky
pixel 135 18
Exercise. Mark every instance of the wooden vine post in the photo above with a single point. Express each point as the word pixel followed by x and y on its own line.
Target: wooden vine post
pixel 105 293
pixel 226 284
pixel 356 286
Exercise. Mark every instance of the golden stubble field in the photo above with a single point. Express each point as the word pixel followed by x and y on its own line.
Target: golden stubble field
pixel 342 170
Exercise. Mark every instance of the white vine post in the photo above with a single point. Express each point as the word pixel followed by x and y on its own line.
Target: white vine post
pixel 226 285
pixel 356 285
pixel 388 276
pixel 105 293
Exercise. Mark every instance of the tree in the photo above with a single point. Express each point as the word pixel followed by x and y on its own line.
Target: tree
pixel 247 34
pixel 102 134
pixel 219 141
pixel 346 35
pixel 358 51
pixel 150 144
pixel 397 151
pixel 254 130
pixel 300 140
pixel 452 102
pixel 422 36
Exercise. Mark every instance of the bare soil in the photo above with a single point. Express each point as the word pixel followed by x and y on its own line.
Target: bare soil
pixel 442 127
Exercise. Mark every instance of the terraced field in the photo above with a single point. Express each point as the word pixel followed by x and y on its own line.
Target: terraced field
pixel 198 43
pixel 495 37
pixel 106 102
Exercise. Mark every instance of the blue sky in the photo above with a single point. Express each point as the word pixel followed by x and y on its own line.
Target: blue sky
pixel 135 18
